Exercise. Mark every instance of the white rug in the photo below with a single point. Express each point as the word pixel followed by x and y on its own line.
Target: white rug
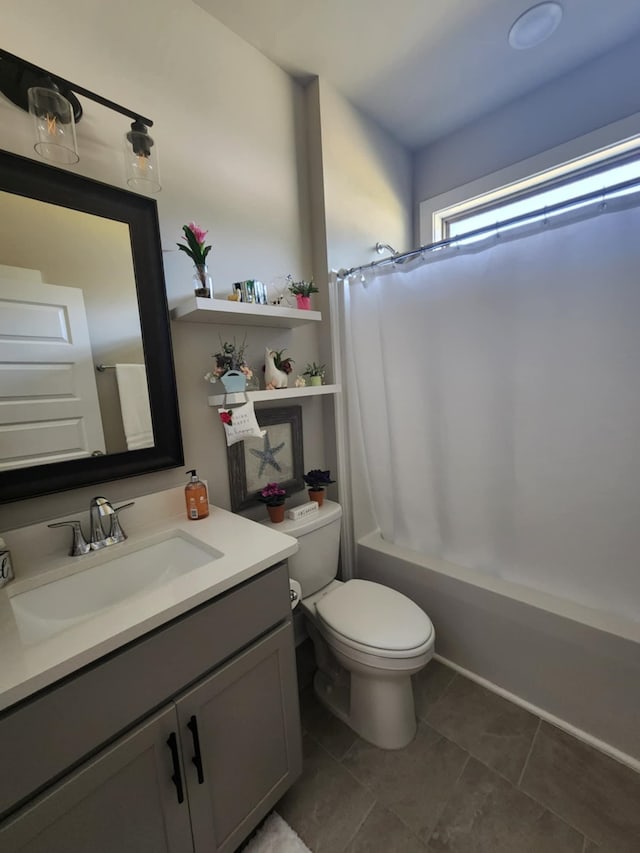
pixel 276 836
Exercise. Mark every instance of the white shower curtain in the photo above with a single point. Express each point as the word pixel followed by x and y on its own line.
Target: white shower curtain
pixel 497 396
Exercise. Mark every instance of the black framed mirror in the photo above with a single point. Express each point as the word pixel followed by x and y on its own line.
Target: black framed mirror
pixel 81 286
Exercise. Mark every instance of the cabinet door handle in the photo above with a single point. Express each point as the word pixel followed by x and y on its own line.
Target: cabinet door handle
pixel 192 725
pixel 172 743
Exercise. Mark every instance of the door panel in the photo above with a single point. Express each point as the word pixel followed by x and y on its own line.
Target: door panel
pixel 49 409
pixel 123 800
pixel 249 734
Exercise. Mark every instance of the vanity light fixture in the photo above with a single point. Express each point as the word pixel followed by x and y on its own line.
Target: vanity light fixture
pixel 52 102
pixel 535 25
pixel 54 123
pixel 141 158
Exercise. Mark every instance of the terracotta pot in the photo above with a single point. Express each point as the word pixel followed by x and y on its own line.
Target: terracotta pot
pixel 303 302
pixel 316 495
pixel 276 513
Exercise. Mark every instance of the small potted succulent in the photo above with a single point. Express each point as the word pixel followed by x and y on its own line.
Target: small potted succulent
pixel 274 497
pixel 317 480
pixel 302 291
pixel 315 372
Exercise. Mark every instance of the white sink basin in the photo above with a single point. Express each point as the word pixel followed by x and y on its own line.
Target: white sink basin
pixel 112 579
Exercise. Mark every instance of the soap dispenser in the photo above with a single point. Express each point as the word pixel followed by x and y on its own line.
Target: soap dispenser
pixel 196 498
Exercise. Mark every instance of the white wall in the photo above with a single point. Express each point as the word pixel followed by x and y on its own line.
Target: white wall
pixel 598 93
pixel 360 185
pixel 367 183
pixel 229 134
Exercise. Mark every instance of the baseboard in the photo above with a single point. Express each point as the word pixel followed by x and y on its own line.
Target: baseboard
pixel 600 745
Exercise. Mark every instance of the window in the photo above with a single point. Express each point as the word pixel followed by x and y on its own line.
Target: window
pixel 606 168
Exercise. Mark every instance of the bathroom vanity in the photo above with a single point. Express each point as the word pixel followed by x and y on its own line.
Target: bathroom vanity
pixel 176 737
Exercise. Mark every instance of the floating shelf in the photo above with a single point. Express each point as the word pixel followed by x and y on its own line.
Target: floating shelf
pixel 279 394
pixel 224 311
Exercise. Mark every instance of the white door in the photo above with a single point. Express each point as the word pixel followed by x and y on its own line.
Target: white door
pixel 49 409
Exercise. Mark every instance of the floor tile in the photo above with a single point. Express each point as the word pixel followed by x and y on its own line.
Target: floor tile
pixel 591 791
pixel 487 814
pixel 326 806
pixel 323 726
pixel 491 728
pixel 382 830
pixel 429 685
pixel 413 782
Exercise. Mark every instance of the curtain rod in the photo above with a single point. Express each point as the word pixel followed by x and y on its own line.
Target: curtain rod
pixel 496 226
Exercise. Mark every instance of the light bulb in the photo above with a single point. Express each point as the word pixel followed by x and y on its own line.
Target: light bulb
pixel 54 125
pixel 141 161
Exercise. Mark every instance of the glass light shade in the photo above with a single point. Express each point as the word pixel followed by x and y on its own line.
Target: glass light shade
pixel 141 160
pixel 54 125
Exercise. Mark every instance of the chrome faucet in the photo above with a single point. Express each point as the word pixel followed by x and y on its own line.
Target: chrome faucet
pixel 99 509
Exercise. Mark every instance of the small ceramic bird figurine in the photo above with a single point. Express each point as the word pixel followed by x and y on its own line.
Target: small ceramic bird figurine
pixel 273 377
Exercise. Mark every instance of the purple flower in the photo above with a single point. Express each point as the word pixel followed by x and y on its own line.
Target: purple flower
pixel 317 479
pixel 272 494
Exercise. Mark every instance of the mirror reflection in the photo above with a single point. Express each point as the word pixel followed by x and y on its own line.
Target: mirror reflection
pixel 68 303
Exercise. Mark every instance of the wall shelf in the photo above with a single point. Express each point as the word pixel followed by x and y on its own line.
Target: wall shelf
pixel 270 396
pixel 223 311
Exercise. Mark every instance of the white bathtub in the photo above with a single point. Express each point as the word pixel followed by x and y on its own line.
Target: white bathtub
pixel 575 666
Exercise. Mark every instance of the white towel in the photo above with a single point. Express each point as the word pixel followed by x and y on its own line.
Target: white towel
pixel 134 404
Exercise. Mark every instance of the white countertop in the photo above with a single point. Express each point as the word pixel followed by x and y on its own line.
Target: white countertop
pixel 247 549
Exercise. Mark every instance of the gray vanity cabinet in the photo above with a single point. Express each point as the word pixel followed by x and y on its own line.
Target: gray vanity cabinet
pixel 123 800
pixel 200 771
pixel 240 751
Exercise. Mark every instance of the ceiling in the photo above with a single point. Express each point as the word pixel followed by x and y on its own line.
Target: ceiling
pixel 423 68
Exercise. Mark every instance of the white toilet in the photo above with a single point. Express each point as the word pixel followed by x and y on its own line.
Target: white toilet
pixel 369 639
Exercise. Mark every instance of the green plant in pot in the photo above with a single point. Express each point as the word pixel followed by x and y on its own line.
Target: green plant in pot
pixel 274 497
pixel 315 372
pixel 194 237
pixel 302 291
pixel 317 481
pixel 231 360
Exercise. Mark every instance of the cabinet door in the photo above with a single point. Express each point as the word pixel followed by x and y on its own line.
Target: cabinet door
pixel 122 800
pixel 240 730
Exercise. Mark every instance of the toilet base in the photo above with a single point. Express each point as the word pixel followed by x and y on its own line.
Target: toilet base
pixel 380 710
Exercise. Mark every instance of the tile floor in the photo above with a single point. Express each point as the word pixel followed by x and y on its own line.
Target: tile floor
pixel 481 776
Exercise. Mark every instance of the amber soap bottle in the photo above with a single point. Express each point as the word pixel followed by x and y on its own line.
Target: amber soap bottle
pixel 196 498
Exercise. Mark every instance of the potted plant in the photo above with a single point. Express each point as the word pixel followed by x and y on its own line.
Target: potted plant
pixel 317 480
pixel 302 291
pixel 197 251
pixel 315 372
pixel 276 368
pixel 274 497
pixel 231 367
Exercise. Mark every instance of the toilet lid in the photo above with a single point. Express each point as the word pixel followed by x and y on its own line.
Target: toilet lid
pixel 375 615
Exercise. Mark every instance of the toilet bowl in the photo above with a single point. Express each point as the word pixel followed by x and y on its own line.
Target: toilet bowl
pixel 368 638
pixel 379 638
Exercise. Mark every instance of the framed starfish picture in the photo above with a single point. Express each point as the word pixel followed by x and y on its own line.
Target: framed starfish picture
pixel 276 458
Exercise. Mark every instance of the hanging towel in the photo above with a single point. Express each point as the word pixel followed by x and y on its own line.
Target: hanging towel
pixel 134 404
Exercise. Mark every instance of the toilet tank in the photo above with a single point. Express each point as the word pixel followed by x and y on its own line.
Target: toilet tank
pixel 316 562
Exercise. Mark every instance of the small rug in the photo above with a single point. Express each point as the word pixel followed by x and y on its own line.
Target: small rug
pixel 275 836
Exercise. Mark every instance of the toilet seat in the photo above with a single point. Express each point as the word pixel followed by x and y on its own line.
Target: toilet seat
pixel 374 619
